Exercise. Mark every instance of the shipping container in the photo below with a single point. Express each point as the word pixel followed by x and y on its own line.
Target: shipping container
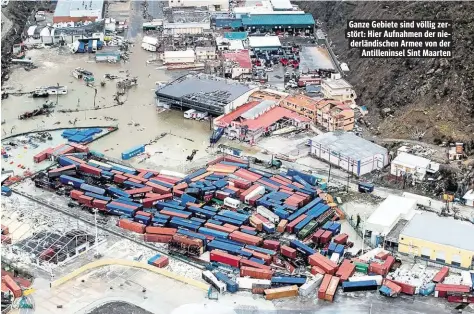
pixel 225 258
pixel 268 214
pixel 271 244
pixel 443 273
pixel 132 226
pixel 249 263
pixel 160 230
pixel 346 270
pixel 324 286
pixel 291 225
pixel 353 286
pixel 288 251
pixel 214 233
pixel 311 285
pixel 282 292
pixel 332 288
pixel 12 285
pixel 213 281
pixel 245 238
pixel 442 290
pixel 377 278
pixel 90 170
pixel 288 280
pixel 67 180
pixel 300 246
pixel 282 226
pixel 246 283
pixel 406 288
pixel 133 152
pixel 256 272
pixel 92 189
pixel 323 262
pixel 231 285
pixel 157 238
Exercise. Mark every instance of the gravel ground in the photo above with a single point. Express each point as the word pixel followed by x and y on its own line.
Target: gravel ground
pixel 119 308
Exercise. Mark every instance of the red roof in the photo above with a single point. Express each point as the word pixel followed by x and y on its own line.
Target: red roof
pixel 242 57
pixel 272 116
pixel 231 116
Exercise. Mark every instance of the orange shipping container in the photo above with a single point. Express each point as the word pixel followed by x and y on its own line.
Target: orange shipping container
pixel 317 270
pixel 256 223
pixel 332 288
pixel 283 292
pixel 132 226
pixel 157 238
pixel 324 286
pixel 12 285
pixel 246 262
pixel 267 258
pixel 245 238
pixel 161 262
pixel 234 228
pixel 282 225
pixel 346 270
pixel 257 273
pixel 217 227
pixel 75 194
pixel 161 230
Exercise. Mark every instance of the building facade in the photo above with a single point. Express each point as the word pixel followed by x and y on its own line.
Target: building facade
pixel 205 53
pixel 406 163
pixel 338 89
pixel 438 239
pixel 178 57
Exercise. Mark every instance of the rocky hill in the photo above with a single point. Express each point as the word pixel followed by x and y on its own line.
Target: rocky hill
pixel 435 96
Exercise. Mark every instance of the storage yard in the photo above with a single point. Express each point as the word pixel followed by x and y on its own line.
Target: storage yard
pixel 155 176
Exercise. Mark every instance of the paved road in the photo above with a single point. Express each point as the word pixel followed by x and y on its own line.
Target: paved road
pixel 135 24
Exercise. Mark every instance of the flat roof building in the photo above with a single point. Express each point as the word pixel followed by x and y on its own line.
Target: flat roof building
pixel 78 11
pixel 339 89
pixel 292 23
pixel 438 239
pixel 205 93
pixel 405 164
pixel 349 152
pixel 281 5
pixel 237 63
pixel 264 42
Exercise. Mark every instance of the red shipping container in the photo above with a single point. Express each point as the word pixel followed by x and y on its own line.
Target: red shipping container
pixel 123 205
pixel 247 228
pixel 346 270
pixel 142 213
pixel 325 237
pixel 341 238
pixel 40 157
pixel 134 180
pixel 161 230
pixel 117 172
pixel 220 195
pixel 149 202
pixel 158 188
pixel 291 225
pixel 139 190
pixel 284 179
pixel 188 241
pixel 247 175
pixel 78 160
pixel 257 273
pixel 443 273
pixel 86 200
pixel 246 262
pixel 241 184
pixel 225 258
pixel 392 286
pixel 79 148
pixel 390 260
pixel 317 235
pixel 163 261
pixel 75 194
pixel 132 226
pixel 271 244
pixel 324 286
pixel 256 223
pixel 141 174
pixel 5 230
pixel 234 228
pixel 174 214
pixel 317 270
pixel 157 238
pixel 100 204
pixel 118 178
pixel 282 225
pixel 275 187
pixel 168 179
pixel 406 288
pixel 460 299
pixel 265 257
pixel 245 238
pixel 12 285
pixel 382 255
pixel 90 170
pixel 442 290
pixel 134 177
pixel 217 227
pixel 253 200
pixel 6 239
pixel 332 288
pixel 323 262
pixel 378 269
pixel 178 193
pixel 180 186
pixel 288 251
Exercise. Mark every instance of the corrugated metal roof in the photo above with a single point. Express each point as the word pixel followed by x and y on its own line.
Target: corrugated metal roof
pixel 264 41
pixel 235 35
pixel 281 4
pixel 388 213
pixel 258 109
pixel 272 116
pixel 441 230
pixel 278 20
pixel 410 160
pixel 64 7
pixel 349 145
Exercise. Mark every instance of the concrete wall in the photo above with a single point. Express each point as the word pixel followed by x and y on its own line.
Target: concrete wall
pixel 334 158
pixel 239 101
pixel 418 247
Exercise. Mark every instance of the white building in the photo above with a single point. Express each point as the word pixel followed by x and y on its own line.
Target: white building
pixel 338 89
pixel 264 42
pixel 214 5
pixel 237 63
pixel 206 53
pixel 224 44
pixel 349 152
pixel 185 28
pixel 387 215
pixel 182 56
pixel 406 163
pixel 469 198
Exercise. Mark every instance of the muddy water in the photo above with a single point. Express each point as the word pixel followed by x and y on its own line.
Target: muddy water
pixel 56 65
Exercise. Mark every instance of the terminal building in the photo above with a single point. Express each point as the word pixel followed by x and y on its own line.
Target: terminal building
pixel 78 11
pixel 205 93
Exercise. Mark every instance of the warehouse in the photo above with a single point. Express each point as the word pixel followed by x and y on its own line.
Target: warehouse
pixel 264 42
pixel 179 57
pixel 78 11
pixel 214 5
pixel 291 23
pixel 438 239
pixel 204 93
pixel 185 28
pixel 406 163
pixel 349 152
pixel 393 209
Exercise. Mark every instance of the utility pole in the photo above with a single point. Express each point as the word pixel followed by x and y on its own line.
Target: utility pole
pixel 57 94
pixel 95 95
pixel 97 254
pixel 329 175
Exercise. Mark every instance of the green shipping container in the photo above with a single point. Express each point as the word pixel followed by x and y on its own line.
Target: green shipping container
pixel 361 267
pixel 307 230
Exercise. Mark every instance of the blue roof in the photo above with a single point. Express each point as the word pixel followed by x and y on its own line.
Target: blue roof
pixel 236 35
pixel 278 20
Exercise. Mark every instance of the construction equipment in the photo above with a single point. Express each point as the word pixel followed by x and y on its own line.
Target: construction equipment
pixel 275 163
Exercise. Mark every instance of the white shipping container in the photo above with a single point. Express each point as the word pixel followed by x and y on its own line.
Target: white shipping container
pixel 258 191
pixel 231 203
pixel 189 114
pixel 150 40
pixel 149 47
pixel 466 278
pixel 245 283
pixel 335 257
pixel 211 279
pixel 311 285
pixel 172 174
pixel 377 278
pixel 268 214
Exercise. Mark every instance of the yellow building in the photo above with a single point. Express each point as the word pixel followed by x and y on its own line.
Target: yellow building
pixel 438 239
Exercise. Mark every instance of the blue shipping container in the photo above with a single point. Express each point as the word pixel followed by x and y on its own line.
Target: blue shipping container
pixel 67 180
pixel 279 281
pixel 91 188
pixel 133 152
pixel 300 246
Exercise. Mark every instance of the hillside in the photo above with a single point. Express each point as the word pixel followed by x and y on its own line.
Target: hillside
pixel 432 95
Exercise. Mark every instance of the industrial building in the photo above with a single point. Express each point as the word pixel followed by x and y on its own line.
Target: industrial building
pixel 179 57
pixel 338 89
pixel 405 164
pixel 281 5
pixel 268 94
pixel 225 44
pixel 64 33
pixel 264 42
pixel 438 239
pixel 78 11
pixel 291 23
pixel 393 210
pixel 349 152
pixel 204 93
pixel 205 53
pixel 257 118
pixel 214 5
pixel 185 28
pixel 237 63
